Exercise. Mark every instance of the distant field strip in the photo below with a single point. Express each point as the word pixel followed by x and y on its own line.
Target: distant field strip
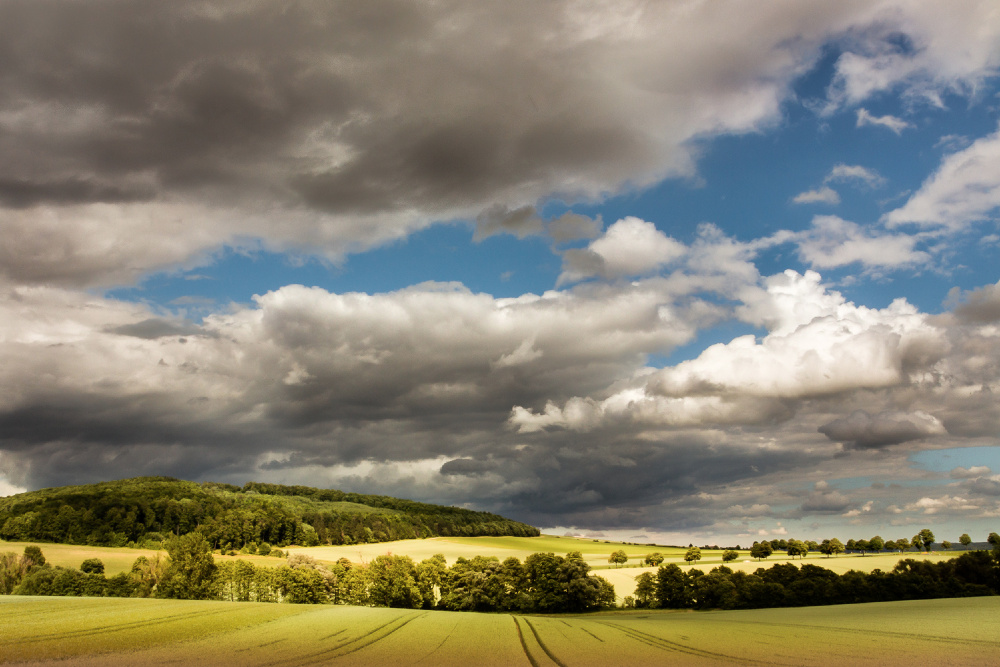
pixel 75 632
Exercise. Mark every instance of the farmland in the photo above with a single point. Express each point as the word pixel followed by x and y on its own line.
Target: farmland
pixel 87 631
pixel 120 559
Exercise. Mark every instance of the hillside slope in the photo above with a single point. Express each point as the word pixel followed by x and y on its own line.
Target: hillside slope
pixel 142 511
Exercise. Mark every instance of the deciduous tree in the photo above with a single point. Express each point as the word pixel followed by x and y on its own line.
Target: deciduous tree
pixel 618 557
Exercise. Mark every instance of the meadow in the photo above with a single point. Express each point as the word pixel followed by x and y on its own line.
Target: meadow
pixel 120 559
pixel 91 631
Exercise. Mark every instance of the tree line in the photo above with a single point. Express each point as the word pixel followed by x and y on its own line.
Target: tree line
pixel 974 573
pixel 144 512
pixel 543 583
pixel 923 540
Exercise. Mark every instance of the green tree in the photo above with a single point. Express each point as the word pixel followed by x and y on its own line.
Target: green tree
pixel 33 556
pixel 946 545
pixel 796 548
pixel 876 543
pixel 918 542
pixel 965 540
pixel 618 557
pixel 654 559
pixel 730 555
pixel 92 566
pixel 902 544
pixel 761 550
pixel 927 537
pixel 393 583
pixel 693 554
pixel 191 572
pixel 645 591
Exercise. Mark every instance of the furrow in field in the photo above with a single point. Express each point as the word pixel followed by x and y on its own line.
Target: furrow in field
pixel 385 634
pixel 305 659
pixel 524 645
pixel 437 648
pixel 882 634
pixel 666 644
pixel 117 627
pixel 545 648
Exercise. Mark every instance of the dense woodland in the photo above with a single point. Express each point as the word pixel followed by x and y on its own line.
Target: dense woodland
pixel 145 511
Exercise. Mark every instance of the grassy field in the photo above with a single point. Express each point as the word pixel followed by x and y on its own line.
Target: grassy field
pixel 92 631
pixel 115 559
pixel 595 553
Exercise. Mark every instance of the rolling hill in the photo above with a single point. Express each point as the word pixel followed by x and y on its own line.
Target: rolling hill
pixel 143 511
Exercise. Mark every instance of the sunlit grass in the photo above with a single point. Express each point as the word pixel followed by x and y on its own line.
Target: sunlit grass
pixel 90 631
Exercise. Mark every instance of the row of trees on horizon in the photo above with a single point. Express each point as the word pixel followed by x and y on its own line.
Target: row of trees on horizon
pixel 543 583
pixel 924 540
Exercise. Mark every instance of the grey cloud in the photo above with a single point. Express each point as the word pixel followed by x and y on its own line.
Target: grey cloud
pixel 985 486
pixel 573 226
pixel 980 306
pixel 467 467
pixel 353 124
pixel 863 430
pixel 520 222
pixel 156 327
pixel 826 502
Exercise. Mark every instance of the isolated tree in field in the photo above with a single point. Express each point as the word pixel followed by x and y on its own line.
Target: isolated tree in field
pixel 693 554
pixel 876 543
pixel 927 537
pixel 761 550
pixel 730 555
pixel 965 540
pixel 993 539
pixel 618 557
pixel 918 542
pixel 946 545
pixel 903 544
pixel 654 559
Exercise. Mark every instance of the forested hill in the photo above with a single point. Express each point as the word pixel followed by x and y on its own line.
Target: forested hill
pixel 145 510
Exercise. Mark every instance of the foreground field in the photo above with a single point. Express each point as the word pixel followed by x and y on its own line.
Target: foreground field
pixel 90 631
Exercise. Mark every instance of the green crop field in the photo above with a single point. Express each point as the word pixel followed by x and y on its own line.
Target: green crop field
pixel 108 631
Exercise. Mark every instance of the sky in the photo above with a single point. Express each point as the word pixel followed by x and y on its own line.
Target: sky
pixel 685 271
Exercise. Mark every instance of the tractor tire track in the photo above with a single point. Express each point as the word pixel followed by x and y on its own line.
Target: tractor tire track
pixel 524 645
pixel 667 645
pixel 542 644
pixel 297 659
pixel 878 633
pixel 118 627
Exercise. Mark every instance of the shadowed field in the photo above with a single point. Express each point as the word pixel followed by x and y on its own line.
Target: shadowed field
pixel 92 631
